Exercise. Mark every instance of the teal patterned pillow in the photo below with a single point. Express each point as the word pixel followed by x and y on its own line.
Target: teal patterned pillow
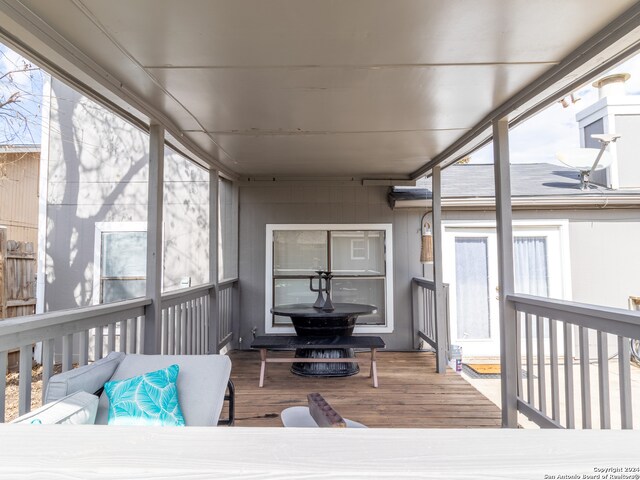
pixel 150 399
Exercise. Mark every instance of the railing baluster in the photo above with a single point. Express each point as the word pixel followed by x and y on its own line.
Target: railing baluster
pixel 203 326
pixel 207 303
pixel 123 336
pixel 189 324
pixel 542 382
pixel 555 377
pixel 519 353
pixel 624 368
pixel 194 327
pixel 131 335
pixel 163 331
pixel 3 382
pixel 179 329
pixel 24 382
pixel 171 331
pixel 47 364
pixel 67 352
pixel 98 343
pixel 568 376
pixel 198 325
pixel 111 337
pixel 585 380
pixel 140 334
pixel 83 347
pixel 603 381
pixel 529 335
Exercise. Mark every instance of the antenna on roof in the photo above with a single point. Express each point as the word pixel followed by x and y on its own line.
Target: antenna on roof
pixel 582 159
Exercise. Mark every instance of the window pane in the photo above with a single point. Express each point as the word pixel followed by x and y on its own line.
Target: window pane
pixel 472 288
pixel 124 254
pixel 530 259
pixel 118 290
pixel 357 253
pixel 369 291
pixel 299 252
pixel 290 291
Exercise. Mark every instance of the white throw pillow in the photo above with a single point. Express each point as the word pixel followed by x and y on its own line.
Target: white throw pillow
pixel 76 409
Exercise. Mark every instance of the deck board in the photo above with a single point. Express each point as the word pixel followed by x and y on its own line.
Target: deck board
pixel 411 394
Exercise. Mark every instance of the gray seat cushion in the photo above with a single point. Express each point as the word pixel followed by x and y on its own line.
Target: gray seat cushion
pixel 202 383
pixel 89 378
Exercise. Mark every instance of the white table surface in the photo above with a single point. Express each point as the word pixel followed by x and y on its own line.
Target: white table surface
pixel 87 452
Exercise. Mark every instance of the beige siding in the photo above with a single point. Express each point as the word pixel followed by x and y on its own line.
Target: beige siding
pixel 19 195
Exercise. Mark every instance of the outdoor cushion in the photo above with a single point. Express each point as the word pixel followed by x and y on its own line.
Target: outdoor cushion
pixel 202 383
pixel 149 399
pixel 88 378
pixel 79 408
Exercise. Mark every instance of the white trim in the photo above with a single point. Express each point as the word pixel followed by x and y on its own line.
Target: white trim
pixel 31 148
pixel 389 306
pixel 43 192
pixel 97 248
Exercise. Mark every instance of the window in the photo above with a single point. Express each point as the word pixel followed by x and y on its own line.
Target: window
pixel 120 261
pixel 359 256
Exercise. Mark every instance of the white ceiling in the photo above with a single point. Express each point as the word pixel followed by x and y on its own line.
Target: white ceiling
pixel 367 88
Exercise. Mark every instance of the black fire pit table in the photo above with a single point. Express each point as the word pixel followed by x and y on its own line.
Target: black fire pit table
pixel 310 321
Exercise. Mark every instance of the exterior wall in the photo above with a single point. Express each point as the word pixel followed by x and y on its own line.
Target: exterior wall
pixel 97 172
pixel 303 204
pixel 603 249
pixel 629 149
pixel 19 195
pixel 600 176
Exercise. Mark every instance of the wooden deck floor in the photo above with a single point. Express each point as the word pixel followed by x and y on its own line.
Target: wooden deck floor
pixel 411 394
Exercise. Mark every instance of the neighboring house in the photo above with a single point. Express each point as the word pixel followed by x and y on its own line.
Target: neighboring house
pixel 571 244
pixel 19 167
pixel 94 210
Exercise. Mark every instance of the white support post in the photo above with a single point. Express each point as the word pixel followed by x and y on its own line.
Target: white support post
pixel 153 312
pixel 440 307
pixel 502 173
pixel 213 262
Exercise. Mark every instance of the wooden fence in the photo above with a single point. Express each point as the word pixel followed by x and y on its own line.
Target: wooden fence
pixel 17 282
pixel 17 277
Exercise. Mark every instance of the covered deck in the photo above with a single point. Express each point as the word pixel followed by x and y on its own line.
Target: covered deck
pixel 411 394
pixel 302 115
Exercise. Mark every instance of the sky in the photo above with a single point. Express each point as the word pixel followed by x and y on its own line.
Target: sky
pixel 538 139
pixel 21 122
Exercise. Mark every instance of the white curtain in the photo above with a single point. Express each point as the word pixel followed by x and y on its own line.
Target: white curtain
pixel 472 288
pixel 530 259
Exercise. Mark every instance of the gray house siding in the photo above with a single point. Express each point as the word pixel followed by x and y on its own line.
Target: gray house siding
pixel 299 204
pixel 97 172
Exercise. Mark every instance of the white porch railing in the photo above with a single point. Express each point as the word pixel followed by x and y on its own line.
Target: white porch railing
pixel 185 321
pixel 59 328
pixel 549 334
pixel 82 335
pixel 424 313
pixel 227 308
pixel 185 318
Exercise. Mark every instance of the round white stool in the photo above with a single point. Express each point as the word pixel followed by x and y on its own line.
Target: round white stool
pixel 299 417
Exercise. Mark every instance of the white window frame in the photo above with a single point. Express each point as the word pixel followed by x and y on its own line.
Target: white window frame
pixel 386 227
pixel 102 227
